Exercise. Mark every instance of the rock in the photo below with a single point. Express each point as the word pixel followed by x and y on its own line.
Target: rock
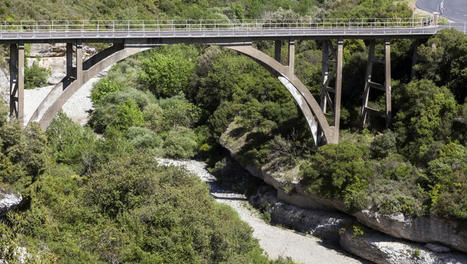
pixel 420 229
pixel 437 248
pixel 8 201
pixel 383 249
pixel 319 223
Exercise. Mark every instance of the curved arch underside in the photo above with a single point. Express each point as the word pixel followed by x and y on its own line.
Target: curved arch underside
pixel 58 96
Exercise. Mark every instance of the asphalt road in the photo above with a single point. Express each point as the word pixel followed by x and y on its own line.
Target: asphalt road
pixel 455 10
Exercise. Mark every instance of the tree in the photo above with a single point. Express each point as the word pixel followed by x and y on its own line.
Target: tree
pixel 425 114
pixel 166 75
pixel 338 171
pixel 35 76
pixel 127 115
pixel 443 59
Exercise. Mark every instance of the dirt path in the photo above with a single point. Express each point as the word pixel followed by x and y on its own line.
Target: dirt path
pixel 274 240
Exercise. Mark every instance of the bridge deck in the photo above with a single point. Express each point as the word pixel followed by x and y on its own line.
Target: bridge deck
pixel 157 32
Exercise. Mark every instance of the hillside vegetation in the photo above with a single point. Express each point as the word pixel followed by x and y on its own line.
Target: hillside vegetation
pixel 92 200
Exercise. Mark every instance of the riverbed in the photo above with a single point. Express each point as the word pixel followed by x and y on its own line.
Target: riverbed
pixel 275 241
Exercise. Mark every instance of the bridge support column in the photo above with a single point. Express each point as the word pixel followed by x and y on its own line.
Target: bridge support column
pixel 17 82
pixel 331 106
pixel 291 63
pixel 338 93
pixel 69 59
pixel 277 50
pixel 387 81
pixel 325 98
pixel 79 63
pixel 369 84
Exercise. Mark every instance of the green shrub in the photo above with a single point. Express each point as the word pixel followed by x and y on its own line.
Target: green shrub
pixel 180 142
pixel 177 111
pixel 153 116
pixel 338 171
pixel 35 76
pixel 166 75
pixel 104 87
pixel 127 115
pixel 71 144
pixel 143 138
pixel 357 230
pixel 383 145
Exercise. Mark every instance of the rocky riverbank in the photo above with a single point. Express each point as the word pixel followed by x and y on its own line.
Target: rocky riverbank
pixel 276 241
pixel 424 230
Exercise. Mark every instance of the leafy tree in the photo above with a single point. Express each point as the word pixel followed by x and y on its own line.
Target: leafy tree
pixel 71 144
pixel 177 111
pixel 166 75
pixel 443 60
pixel 338 171
pixel 425 115
pixel 104 87
pixel 127 115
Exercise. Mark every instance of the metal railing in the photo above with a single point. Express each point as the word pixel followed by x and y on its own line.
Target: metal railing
pixel 255 26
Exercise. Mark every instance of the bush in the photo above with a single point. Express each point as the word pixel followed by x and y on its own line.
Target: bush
pixel 102 88
pixel 383 145
pixel 153 116
pixel 71 144
pixel 180 142
pixel 177 111
pixel 166 75
pixel 35 76
pixel 143 138
pixel 127 115
pixel 338 172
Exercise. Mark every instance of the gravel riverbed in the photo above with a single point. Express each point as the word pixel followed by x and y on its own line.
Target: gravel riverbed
pixel 276 241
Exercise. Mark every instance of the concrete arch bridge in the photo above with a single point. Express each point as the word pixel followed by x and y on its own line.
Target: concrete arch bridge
pixel 130 37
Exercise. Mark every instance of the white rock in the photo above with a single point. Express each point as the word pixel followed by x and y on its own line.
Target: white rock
pixel 8 201
pixel 437 248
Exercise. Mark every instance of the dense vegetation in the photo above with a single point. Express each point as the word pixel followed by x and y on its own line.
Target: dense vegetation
pixel 423 155
pixel 106 200
pixel 90 200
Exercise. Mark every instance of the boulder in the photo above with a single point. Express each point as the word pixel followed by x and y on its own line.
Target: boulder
pixel 420 229
pixel 8 201
pixel 319 223
pixel 383 249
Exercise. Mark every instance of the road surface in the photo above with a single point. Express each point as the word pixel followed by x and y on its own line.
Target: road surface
pixel 455 10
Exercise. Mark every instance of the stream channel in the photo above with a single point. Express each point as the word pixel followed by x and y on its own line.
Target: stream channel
pixel 276 241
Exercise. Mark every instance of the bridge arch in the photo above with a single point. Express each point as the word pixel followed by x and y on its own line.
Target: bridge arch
pixel 61 93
